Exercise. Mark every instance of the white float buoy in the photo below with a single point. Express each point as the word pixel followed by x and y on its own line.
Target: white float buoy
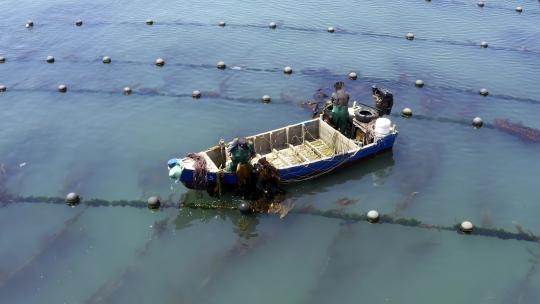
pixel 477 122
pixel 50 59
pixel 62 88
pixel 483 44
pixel 78 22
pixel 73 199
pixel 272 25
pixel 153 202
pixel 196 94
pixel 106 60
pixel 266 99
pixel 3 88
pixel 419 83
pixel 127 90
pixel 287 70
pixel 331 29
pixel 481 4
pixel 221 65
pixel 2 59
pixel 160 62
pixel 353 75
pixel 149 21
pixel 373 216
pixel 406 112
pixel 29 23
pixel 467 227
pixel 519 9
pixel 484 92
pixel 222 23
pixel 409 36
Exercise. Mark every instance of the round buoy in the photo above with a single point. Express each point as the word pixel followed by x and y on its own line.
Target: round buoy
pixel 266 99
pixel 29 23
pixel 477 122
pixel 331 29
pixel 407 112
pixel 484 92
pixel 373 216
pixel 409 36
pixel 272 25
pixel 244 208
pixel 287 70
pixel 466 227
pixel 106 59
pixel 353 75
pixel 519 9
pixel 127 90
pixel 160 62
pixel 78 22
pixel 222 23
pixel 196 94
pixel 2 59
pixel 153 202
pixel 419 83
pixel 50 59
pixel 483 44
pixel 221 65
pixel 149 21
pixel 481 4
pixel 3 88
pixel 62 88
pixel 73 199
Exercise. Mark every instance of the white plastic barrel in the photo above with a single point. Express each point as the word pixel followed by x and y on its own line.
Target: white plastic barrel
pixel 382 127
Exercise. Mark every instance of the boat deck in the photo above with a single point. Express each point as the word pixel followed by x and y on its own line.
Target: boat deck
pixel 308 151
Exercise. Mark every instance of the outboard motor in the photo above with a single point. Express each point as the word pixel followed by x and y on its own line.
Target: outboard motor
pixel 384 100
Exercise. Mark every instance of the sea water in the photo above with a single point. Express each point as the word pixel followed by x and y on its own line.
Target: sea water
pixel 100 143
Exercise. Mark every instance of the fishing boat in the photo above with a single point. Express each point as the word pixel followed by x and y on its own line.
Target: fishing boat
pixel 298 152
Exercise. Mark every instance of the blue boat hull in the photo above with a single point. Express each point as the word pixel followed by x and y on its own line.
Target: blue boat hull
pixel 301 172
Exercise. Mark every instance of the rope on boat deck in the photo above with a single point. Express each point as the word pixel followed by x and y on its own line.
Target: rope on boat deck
pixel 500 233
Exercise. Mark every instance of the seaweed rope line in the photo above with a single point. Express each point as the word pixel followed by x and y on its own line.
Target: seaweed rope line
pixel 146 91
pixel 340 31
pixel 521 235
pixel 304 72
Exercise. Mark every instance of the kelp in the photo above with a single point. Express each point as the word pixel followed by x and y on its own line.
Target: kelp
pixel 49 243
pixel 273 207
pixel 104 293
pixel 519 130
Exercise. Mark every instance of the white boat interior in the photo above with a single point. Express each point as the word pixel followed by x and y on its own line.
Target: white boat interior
pixel 289 146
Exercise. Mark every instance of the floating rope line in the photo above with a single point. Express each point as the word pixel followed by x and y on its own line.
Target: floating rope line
pixel 336 31
pixel 521 235
pixel 306 72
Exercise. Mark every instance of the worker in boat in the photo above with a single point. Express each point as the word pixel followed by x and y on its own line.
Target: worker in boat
pixel 241 151
pixel 384 100
pixel 340 107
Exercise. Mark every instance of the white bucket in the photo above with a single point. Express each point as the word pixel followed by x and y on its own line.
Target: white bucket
pixel 382 127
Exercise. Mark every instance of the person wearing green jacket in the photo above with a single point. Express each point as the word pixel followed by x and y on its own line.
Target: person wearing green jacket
pixel 241 151
pixel 340 107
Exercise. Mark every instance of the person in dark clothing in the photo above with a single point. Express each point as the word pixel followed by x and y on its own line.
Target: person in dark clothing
pixel 340 107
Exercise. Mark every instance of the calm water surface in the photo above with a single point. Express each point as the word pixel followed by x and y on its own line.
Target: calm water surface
pixel 100 143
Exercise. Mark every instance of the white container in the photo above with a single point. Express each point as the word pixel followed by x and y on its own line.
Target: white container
pixel 382 127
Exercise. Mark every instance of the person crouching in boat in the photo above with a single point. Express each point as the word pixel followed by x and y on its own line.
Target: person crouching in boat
pixel 340 107
pixel 241 152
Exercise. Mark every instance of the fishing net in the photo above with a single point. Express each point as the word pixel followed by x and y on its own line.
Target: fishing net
pixel 200 171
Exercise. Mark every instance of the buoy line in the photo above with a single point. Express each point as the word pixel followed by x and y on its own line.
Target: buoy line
pixel 154 203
